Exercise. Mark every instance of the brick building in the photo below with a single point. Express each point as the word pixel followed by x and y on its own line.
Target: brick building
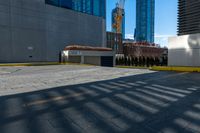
pixel 143 54
pixel 143 49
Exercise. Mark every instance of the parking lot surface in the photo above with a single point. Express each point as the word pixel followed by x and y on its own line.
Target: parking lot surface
pixel 88 99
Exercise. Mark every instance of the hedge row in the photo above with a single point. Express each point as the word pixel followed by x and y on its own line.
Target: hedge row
pixel 140 61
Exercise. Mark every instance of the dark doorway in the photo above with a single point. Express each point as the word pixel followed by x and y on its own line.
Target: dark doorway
pixel 107 61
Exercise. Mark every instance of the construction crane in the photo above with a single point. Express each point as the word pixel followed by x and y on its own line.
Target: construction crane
pixel 119 16
pixel 121 4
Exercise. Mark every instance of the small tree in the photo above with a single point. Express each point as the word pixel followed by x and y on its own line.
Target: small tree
pixel 140 61
pixel 129 61
pixel 157 61
pixel 136 61
pixel 117 60
pixel 147 61
pixel 150 61
pixel 143 61
pixel 125 61
pixel 153 62
pixel 132 60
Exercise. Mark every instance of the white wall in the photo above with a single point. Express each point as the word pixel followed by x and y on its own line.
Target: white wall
pixel 184 50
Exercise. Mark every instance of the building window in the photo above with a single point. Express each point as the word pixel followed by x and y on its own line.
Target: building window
pixel 52 2
pixel 66 4
pixel 78 5
pixel 96 5
pixel 92 7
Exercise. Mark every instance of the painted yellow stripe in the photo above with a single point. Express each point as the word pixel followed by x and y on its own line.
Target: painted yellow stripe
pixel 179 69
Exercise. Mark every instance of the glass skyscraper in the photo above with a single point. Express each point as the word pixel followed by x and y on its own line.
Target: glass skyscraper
pixel 92 7
pixel 145 12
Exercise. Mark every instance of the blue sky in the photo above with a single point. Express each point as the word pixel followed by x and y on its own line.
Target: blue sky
pixel 165 18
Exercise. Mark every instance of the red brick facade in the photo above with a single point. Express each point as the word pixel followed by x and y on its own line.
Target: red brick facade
pixel 143 50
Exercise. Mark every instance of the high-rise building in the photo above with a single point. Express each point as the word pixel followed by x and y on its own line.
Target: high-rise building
pixel 115 41
pixel 145 12
pixel 118 26
pixel 38 30
pixel 188 17
pixel 184 50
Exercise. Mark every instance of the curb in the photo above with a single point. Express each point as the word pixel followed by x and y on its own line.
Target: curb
pixel 132 67
pixel 30 64
pixel 40 64
pixel 178 69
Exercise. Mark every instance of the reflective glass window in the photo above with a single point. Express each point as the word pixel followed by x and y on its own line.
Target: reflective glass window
pixel 66 4
pixel 96 7
pixel 77 5
pixel 52 2
pixel 92 7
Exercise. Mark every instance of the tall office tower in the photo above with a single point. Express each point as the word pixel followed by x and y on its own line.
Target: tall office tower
pixel 118 20
pixel 188 17
pixel 145 12
pixel 184 50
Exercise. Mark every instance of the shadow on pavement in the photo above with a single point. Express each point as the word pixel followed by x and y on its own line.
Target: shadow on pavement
pixel 163 102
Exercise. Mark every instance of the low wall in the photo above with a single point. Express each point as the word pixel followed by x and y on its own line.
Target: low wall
pixel 99 58
pixel 94 60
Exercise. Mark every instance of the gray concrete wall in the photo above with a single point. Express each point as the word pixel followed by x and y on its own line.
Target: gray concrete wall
pixel 31 30
pixel 184 50
pixel 74 59
pixel 93 60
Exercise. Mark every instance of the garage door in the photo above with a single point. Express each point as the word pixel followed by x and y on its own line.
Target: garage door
pixel 107 61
